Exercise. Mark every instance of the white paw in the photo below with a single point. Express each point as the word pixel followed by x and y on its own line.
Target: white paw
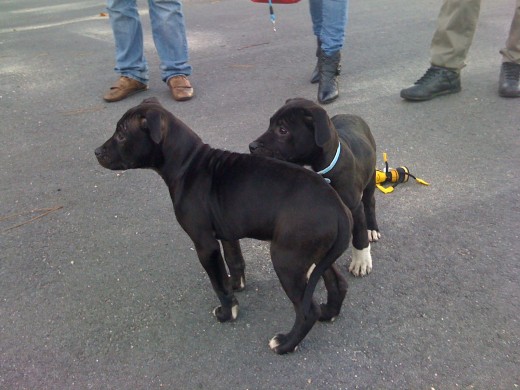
pixel 242 283
pixel 234 312
pixel 373 235
pixel 361 263
pixel 273 343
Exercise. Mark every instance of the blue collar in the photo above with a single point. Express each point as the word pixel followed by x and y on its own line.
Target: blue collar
pixel 332 164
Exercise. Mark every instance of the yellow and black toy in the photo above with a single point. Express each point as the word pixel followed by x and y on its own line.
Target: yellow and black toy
pixel 395 176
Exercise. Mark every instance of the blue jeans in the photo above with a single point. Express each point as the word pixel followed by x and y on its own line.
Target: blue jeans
pixel 329 21
pixel 169 35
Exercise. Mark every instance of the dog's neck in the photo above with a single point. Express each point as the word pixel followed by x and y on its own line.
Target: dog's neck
pixel 177 162
pixel 332 164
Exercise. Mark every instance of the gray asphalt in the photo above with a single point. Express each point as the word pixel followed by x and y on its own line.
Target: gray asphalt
pixel 101 289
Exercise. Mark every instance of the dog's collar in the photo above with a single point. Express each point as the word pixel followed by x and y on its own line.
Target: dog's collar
pixel 332 164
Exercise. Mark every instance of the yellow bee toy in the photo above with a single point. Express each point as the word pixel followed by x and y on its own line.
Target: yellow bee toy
pixel 395 176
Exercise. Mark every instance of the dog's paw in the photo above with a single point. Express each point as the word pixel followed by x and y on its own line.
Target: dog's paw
pixel 361 263
pixel 327 314
pixel 373 235
pixel 226 314
pixel 279 343
pixel 238 284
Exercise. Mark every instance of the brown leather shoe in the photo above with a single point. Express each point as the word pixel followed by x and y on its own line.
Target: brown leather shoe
pixel 123 88
pixel 181 88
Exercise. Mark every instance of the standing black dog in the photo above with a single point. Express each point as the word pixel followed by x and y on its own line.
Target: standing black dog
pixel 220 195
pixel 301 132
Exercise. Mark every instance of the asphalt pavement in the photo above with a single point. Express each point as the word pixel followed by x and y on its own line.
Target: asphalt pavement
pixel 101 289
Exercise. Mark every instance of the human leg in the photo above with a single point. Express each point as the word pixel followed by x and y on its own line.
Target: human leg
pixel 169 34
pixel 315 9
pixel 130 61
pixel 334 23
pixel 510 70
pixel 329 19
pixel 456 27
pixel 128 36
pixel 451 41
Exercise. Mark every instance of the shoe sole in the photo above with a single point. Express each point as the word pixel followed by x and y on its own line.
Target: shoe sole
pixel 423 99
pixel 508 95
pixel 183 99
pixel 328 101
pixel 124 97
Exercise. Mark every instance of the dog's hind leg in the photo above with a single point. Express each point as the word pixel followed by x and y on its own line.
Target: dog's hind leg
pixel 300 288
pixel 211 259
pixel 336 286
pixel 236 264
pixel 369 204
pixel 294 282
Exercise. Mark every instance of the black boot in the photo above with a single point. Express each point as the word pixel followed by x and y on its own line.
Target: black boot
pixel 508 85
pixel 329 70
pixel 315 77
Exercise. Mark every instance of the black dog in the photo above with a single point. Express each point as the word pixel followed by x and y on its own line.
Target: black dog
pixel 301 132
pixel 220 195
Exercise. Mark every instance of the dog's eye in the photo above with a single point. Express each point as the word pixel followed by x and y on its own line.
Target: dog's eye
pixel 282 131
pixel 120 137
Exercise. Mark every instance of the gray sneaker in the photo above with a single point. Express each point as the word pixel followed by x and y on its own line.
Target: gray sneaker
pixel 436 81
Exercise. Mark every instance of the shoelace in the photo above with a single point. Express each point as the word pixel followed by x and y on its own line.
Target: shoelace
pixel 430 74
pixel 511 71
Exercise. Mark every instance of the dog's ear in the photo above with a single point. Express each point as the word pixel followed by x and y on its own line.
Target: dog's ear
pixel 322 124
pixel 153 122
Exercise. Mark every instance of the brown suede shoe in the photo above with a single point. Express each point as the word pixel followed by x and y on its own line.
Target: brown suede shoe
pixel 181 88
pixel 123 88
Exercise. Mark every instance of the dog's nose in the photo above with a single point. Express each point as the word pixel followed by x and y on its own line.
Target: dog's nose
pixel 98 152
pixel 254 145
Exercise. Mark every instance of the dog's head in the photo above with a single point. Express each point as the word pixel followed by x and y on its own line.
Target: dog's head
pixel 136 139
pixel 297 132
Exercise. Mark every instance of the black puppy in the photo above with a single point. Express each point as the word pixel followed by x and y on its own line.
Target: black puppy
pixel 301 132
pixel 220 195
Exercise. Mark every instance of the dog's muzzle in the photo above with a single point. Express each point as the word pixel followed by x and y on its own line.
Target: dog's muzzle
pixel 99 154
pixel 254 146
pixel 103 159
pixel 258 148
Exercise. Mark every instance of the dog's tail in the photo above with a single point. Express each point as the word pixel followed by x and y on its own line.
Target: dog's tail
pixel 339 246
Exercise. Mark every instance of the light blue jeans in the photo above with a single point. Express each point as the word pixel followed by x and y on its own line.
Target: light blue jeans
pixel 329 21
pixel 169 35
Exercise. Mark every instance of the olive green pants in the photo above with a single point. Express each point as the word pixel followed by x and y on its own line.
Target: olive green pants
pixel 456 27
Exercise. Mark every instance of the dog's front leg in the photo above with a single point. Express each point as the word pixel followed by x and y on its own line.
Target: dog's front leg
pixel 236 264
pixel 212 261
pixel 361 263
pixel 369 205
